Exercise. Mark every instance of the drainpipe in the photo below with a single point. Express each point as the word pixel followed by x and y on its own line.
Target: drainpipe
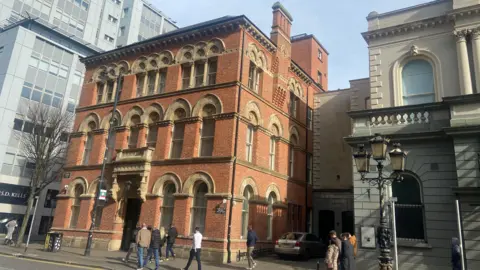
pixel 306 163
pixel 230 213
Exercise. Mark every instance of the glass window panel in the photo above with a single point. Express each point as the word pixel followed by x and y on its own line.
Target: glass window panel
pixel 6 169
pixel 71 107
pixel 57 102
pixel 17 124
pixel 33 62
pixel 199 72
pixel 48 50
pixel 43 65
pixel 61 86
pixel 31 74
pixel 38 45
pixel 41 78
pixel 14 139
pixel 26 92
pixel 36 96
pixel 9 158
pixel 67 59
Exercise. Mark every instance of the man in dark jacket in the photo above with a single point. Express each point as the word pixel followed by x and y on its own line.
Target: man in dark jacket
pixel 171 237
pixel 154 247
pixel 133 244
pixel 251 241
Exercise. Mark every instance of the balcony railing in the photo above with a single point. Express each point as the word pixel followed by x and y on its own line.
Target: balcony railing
pixel 405 119
pixel 143 154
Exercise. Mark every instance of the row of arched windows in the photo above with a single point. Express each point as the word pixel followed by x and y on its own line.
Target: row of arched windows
pixel 199 185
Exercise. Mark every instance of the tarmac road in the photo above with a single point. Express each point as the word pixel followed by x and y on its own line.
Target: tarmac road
pixel 14 263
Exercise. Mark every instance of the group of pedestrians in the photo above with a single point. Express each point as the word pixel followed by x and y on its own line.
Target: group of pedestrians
pixel 151 240
pixel 341 252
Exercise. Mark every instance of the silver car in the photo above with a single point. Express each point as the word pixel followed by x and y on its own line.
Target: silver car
pixel 299 244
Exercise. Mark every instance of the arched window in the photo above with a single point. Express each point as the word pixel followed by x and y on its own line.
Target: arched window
pixel 417 82
pixel 199 208
pixel 111 141
pixel 152 129
pixel 178 134
pixel 248 195
pixel 133 137
pixel 140 84
pixel 76 205
pixel 409 208
pixel 293 104
pixel 208 131
pixel 250 136
pixel 273 146
pixel 168 205
pixel 100 89
pixel 254 77
pixel 291 155
pixel 272 198
pixel 88 143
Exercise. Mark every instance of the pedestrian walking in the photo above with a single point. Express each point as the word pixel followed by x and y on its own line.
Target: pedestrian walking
pixel 144 237
pixel 331 258
pixel 153 249
pixel 11 225
pixel 334 239
pixel 347 261
pixel 163 239
pixel 251 241
pixel 133 244
pixel 196 250
pixel 353 241
pixel 456 254
pixel 171 237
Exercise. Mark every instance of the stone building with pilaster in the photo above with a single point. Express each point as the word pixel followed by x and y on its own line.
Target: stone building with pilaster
pixel 213 129
pixel 425 94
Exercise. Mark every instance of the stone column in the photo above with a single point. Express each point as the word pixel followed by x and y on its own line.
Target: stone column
pixel 463 65
pixel 476 56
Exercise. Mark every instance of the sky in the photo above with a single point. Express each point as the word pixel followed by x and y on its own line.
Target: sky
pixel 337 24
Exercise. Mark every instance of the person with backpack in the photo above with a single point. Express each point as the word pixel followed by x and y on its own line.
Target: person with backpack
pixel 155 241
pixel 171 237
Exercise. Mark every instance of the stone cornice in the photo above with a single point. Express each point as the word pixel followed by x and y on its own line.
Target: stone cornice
pixel 405 28
pixel 189 120
pixel 464 12
pixel 196 160
pixel 159 96
pixel 300 73
pixel 77 134
pixel 183 36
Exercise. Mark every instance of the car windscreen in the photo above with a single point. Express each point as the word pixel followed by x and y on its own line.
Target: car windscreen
pixel 291 236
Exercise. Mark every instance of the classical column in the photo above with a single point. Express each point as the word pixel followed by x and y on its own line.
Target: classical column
pixel 476 56
pixel 463 65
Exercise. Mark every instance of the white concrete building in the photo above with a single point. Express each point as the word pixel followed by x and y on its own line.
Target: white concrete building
pixel 41 42
pixel 105 24
pixel 37 65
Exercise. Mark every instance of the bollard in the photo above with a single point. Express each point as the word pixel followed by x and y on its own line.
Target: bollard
pixel 318 265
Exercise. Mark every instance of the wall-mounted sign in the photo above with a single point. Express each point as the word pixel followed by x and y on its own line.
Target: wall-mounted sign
pixel 14 194
pixel 103 195
pixel 368 237
pixel 221 210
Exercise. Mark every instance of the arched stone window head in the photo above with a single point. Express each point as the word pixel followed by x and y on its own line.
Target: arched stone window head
pixel 153 117
pixel 209 110
pixel 134 131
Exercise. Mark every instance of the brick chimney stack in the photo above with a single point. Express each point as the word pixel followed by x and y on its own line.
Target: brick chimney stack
pixel 282 23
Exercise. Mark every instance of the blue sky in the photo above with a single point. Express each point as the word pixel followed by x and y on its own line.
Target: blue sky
pixel 337 24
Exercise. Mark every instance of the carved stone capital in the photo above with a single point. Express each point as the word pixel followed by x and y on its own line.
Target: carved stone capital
pixel 142 191
pixel 475 33
pixel 461 35
pixel 114 191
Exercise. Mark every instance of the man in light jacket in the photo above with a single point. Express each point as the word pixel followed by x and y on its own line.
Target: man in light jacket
pixel 144 237
pixel 196 249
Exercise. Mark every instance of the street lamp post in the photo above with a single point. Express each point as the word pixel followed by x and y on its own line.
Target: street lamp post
pixel 379 146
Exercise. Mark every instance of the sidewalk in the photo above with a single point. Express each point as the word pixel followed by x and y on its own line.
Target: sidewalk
pixel 111 260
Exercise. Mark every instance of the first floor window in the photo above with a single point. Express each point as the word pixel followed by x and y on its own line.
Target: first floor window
pixel 199 208
pixel 409 209
pixel 167 205
pixel 249 147
pixel 76 205
pixel 177 140
pixel 273 146
pixel 208 132
pixel 272 198
pixel 133 138
pixel 88 149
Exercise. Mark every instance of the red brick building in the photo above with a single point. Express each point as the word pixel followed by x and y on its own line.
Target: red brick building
pixel 206 113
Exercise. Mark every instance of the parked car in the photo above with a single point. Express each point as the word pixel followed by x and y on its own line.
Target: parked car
pixel 299 244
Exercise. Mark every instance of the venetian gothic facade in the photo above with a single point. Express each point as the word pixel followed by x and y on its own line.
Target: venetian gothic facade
pixel 213 128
